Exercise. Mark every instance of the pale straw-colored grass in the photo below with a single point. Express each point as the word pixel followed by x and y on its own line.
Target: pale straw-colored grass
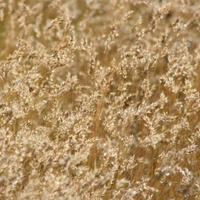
pixel 99 100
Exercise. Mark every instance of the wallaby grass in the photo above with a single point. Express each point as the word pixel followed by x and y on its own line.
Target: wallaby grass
pixel 100 99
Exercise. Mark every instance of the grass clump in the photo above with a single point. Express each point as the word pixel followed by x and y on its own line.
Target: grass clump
pixel 99 100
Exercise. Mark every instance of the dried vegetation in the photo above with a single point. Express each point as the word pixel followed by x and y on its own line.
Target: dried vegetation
pixel 100 99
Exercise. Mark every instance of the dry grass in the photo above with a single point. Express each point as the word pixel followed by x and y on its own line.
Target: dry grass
pixel 100 100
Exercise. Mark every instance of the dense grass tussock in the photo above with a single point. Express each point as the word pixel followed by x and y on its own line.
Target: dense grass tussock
pixel 100 99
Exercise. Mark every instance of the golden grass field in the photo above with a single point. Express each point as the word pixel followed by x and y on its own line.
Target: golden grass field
pixel 100 100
